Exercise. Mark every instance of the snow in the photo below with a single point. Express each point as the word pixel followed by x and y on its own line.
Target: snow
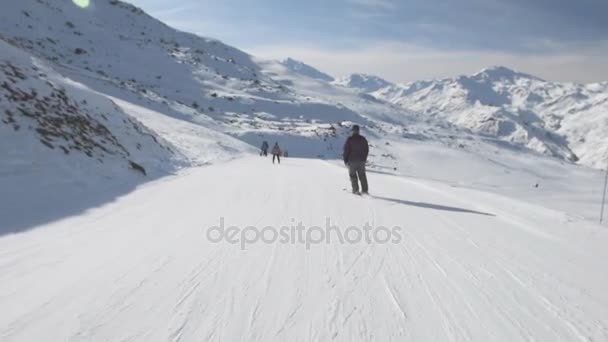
pixel 363 82
pixel 498 233
pixel 190 78
pixel 471 266
pixel 306 70
pixel 563 120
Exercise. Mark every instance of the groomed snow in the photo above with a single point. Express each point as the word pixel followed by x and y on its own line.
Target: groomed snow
pixel 471 265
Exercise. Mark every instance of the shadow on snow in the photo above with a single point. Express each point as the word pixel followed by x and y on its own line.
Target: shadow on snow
pixel 432 206
pixel 27 205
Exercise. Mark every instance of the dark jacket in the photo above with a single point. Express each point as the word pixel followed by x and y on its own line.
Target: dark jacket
pixel 276 150
pixel 356 149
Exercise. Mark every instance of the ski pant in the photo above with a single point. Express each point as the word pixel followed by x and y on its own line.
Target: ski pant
pixel 356 171
pixel 276 156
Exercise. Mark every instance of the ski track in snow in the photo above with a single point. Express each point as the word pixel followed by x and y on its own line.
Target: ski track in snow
pixel 140 269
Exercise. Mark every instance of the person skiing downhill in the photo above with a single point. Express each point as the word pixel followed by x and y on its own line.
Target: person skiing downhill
pixel 264 149
pixel 276 152
pixel 356 150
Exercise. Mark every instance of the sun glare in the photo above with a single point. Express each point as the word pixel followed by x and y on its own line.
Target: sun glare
pixel 82 3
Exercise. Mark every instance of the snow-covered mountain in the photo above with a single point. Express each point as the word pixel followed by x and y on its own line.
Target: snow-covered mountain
pixel 118 50
pixel 363 82
pixel 564 120
pixel 306 70
pixel 49 121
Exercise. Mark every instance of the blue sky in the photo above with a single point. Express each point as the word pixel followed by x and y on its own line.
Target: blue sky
pixel 409 39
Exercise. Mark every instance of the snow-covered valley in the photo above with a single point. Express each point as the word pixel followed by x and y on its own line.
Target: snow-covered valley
pixel 122 140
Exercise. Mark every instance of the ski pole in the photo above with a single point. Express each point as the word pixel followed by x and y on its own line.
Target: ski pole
pixel 604 196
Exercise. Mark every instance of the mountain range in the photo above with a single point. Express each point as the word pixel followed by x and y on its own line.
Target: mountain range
pixel 105 84
pixel 564 120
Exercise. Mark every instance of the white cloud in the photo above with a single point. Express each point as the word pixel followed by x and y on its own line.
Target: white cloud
pixel 399 62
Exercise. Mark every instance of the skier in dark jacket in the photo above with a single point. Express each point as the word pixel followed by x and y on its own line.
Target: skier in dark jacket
pixel 276 152
pixel 264 151
pixel 356 150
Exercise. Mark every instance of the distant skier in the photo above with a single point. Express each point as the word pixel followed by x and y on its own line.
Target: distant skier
pixel 356 150
pixel 264 149
pixel 276 152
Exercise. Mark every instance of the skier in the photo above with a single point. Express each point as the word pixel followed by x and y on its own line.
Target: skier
pixel 356 150
pixel 264 149
pixel 276 152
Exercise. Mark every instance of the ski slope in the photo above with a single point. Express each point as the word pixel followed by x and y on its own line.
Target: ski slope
pixel 471 266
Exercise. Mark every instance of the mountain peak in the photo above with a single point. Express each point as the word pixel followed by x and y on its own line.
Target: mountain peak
pixel 365 82
pixel 362 76
pixel 291 61
pixel 501 72
pixel 305 69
